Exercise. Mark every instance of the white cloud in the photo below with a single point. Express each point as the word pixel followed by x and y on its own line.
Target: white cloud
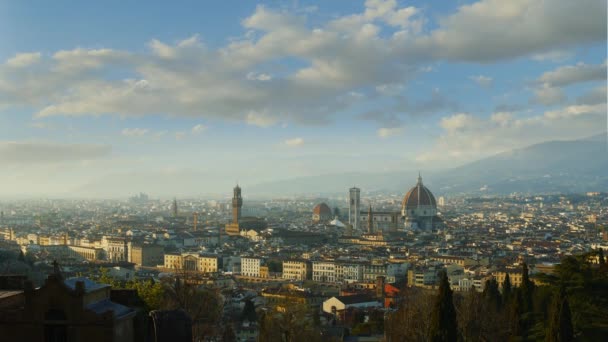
pixel 570 74
pixel 553 56
pixel 548 95
pixel 575 110
pixel 199 129
pixel 385 44
pixel 261 119
pixel 19 152
pixel 21 60
pixel 253 76
pixel 483 81
pixel 594 96
pixel 387 132
pixel 457 122
pixel 134 132
pixel 295 142
pixel 504 131
pixel 525 27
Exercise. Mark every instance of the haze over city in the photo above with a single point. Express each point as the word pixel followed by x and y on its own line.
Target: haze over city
pixel 103 100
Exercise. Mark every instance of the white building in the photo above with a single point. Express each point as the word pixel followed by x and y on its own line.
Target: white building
pixel 349 272
pixel 324 271
pixel 250 266
pixel 336 305
pixel 296 269
pixel 115 248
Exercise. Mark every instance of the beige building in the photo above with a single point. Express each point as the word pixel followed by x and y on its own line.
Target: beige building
pixel 297 270
pixel 147 255
pixel 515 276
pixel 192 262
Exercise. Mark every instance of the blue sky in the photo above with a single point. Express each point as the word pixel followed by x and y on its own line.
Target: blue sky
pixel 118 91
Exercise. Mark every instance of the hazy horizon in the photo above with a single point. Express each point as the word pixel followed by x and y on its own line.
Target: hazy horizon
pixel 108 100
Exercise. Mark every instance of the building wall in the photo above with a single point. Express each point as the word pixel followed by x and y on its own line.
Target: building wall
pixel 324 271
pixel 250 267
pixel 297 270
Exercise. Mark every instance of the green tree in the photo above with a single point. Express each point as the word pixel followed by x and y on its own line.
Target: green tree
pixel 560 328
pixel 602 261
pixel 443 320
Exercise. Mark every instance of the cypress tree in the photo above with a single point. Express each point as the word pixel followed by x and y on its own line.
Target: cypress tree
pixel 560 323
pixel 506 289
pixel 492 294
pixel 602 261
pixel 526 289
pixel 443 324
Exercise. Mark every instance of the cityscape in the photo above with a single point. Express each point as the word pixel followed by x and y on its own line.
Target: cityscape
pixel 289 171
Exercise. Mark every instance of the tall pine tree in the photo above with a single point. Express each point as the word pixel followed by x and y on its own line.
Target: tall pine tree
pixel 443 323
pixel 560 328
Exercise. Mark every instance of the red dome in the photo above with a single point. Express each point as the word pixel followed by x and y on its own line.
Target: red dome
pixel 419 195
pixel 321 210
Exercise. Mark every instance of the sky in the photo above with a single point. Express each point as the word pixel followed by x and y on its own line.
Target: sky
pixel 107 98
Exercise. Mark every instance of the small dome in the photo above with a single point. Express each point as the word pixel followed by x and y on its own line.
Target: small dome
pixel 419 195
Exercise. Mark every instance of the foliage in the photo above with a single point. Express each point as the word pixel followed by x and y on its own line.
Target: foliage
pixel 560 324
pixel 249 312
pixel 288 323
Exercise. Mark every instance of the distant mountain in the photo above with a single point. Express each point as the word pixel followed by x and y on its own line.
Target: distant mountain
pixel 554 166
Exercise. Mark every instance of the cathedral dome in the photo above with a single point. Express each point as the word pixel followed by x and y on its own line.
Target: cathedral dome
pixel 321 209
pixel 419 195
pixel 321 212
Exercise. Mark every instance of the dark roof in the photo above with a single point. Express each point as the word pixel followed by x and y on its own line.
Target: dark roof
pixel 89 285
pixel 108 305
pixel 354 299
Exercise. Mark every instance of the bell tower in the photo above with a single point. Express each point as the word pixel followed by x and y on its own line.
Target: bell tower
pixel 237 203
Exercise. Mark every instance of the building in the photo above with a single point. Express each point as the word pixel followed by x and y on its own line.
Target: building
pixel 233 228
pixel 337 305
pixel 251 266
pixel 297 270
pixel 147 255
pixel 324 271
pixel 174 208
pixel 72 310
pixel 384 220
pixel 515 276
pixel 419 208
pixel 348 272
pixel 354 208
pixel 321 213
pixel 193 262
pixel 115 247
pixel 441 201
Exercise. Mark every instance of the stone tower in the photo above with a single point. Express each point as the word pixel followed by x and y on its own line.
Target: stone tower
pixel 354 208
pixel 370 220
pixel 237 203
